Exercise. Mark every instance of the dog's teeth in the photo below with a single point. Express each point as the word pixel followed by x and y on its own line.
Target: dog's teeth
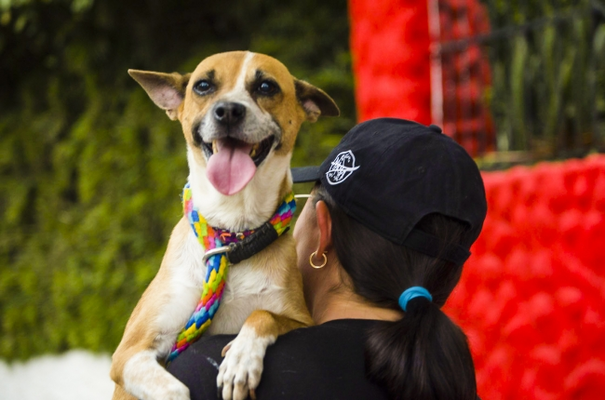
pixel 254 150
pixel 214 147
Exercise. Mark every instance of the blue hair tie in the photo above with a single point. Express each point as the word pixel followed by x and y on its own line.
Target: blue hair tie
pixel 411 293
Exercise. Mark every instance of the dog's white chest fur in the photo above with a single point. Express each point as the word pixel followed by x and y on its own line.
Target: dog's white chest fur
pixel 245 291
pixel 248 287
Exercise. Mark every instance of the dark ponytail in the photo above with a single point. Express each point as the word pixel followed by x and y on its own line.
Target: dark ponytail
pixel 424 355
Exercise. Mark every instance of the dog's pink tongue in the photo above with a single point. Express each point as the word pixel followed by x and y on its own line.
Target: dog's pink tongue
pixel 231 168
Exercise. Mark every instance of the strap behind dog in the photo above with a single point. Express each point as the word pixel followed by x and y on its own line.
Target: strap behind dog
pixel 242 245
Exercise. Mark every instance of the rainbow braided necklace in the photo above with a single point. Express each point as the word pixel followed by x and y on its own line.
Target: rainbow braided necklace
pixel 223 248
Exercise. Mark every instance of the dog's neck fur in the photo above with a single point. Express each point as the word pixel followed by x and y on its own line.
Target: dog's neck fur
pixel 251 207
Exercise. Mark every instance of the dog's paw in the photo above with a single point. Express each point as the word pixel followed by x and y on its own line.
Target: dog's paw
pixel 240 371
pixel 161 390
pixel 175 392
pixel 145 379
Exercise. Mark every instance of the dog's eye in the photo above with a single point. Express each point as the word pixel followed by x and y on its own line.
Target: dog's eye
pixel 203 87
pixel 267 88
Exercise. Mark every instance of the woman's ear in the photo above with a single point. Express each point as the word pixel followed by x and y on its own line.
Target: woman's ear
pixel 324 225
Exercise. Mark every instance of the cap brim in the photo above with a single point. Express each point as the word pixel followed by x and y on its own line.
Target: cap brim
pixel 305 174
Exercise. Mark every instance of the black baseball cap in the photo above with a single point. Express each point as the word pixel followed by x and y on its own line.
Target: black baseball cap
pixel 389 173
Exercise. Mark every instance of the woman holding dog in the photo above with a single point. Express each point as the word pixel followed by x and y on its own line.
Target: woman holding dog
pixel 381 244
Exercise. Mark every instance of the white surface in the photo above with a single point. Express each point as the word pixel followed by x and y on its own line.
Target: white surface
pixel 75 375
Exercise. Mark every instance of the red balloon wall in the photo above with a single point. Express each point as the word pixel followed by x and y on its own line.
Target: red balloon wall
pixel 531 295
pixel 390 46
pixel 390 42
pixel 466 76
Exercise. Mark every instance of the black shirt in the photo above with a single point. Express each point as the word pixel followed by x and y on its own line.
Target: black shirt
pixel 319 362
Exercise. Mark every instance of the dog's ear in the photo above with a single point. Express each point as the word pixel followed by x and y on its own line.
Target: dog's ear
pixel 166 90
pixel 315 101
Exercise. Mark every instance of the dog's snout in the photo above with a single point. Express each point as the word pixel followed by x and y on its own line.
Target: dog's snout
pixel 229 113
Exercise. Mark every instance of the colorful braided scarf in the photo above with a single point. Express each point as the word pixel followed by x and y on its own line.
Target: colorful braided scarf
pixel 218 264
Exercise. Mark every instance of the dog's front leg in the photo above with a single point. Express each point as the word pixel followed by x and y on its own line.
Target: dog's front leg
pixel 137 364
pixel 145 378
pixel 240 371
pixel 137 368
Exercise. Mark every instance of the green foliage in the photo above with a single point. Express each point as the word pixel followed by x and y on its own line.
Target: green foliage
pixel 91 171
pixel 548 81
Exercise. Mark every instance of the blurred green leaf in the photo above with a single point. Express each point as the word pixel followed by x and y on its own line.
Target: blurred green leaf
pixel 547 87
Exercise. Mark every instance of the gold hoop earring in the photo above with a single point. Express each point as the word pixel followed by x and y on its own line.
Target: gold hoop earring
pixel 318 266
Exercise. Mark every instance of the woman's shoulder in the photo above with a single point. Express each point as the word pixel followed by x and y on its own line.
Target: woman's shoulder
pixel 323 361
pixel 330 344
pixel 348 328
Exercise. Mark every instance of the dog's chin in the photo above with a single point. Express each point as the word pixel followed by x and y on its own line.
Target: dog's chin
pixel 258 153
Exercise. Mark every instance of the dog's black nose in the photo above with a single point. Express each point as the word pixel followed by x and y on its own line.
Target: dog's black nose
pixel 229 113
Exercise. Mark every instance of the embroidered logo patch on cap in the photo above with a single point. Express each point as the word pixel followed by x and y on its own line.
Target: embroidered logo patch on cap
pixel 341 168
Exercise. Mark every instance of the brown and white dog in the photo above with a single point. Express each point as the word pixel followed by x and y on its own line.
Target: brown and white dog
pixel 240 113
